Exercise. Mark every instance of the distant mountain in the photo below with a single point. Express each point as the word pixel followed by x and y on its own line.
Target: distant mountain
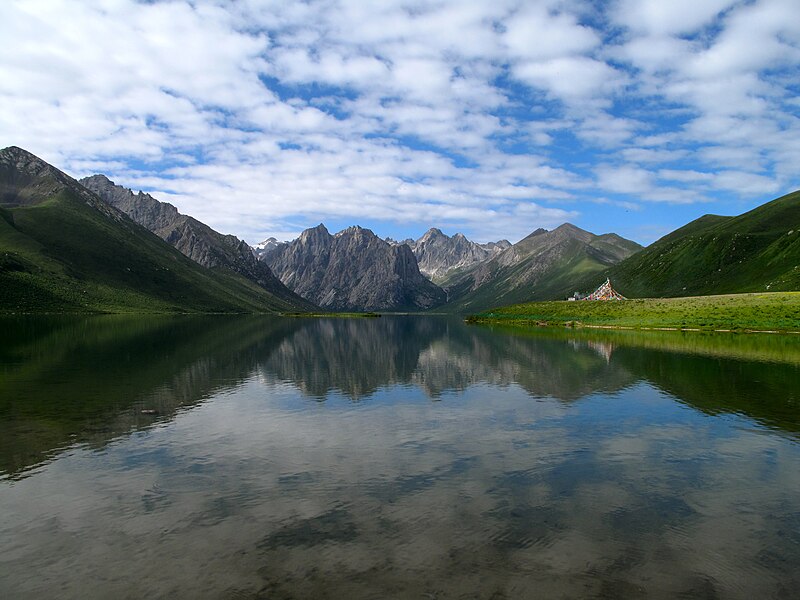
pixel 438 254
pixel 193 238
pixel 546 265
pixel 353 270
pixel 267 246
pixel 754 252
pixel 63 249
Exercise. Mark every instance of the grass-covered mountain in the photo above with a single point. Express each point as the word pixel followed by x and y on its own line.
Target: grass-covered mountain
pixel 62 249
pixel 754 252
pixel 546 265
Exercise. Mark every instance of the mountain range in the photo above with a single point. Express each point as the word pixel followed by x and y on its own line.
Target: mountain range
pixel 69 246
pixel 339 274
pixel 439 254
pixel 543 266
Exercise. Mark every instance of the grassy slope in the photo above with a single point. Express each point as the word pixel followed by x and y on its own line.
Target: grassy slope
pixel 753 252
pixel 64 256
pixel 768 311
pixel 558 281
pixel 555 282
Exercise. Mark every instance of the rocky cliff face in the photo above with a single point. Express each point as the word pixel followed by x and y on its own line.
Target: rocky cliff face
pixel 193 238
pixel 353 270
pixel 439 254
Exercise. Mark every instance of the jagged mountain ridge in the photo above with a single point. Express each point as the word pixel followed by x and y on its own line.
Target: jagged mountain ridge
pixel 191 237
pixel 63 249
pixel 439 254
pixel 543 266
pixel 353 270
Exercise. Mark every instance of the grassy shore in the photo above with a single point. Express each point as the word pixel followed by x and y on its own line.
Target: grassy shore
pixel 778 311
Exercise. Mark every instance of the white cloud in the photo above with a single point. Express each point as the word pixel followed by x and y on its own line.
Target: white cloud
pixel 536 34
pixel 572 78
pixel 746 183
pixel 674 17
pixel 685 176
pixel 654 156
pixel 625 179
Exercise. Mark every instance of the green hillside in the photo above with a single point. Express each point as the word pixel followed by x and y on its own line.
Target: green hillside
pixel 543 266
pixel 63 250
pixel 755 252
pixel 556 281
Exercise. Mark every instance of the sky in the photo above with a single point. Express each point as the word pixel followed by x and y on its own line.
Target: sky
pixel 491 118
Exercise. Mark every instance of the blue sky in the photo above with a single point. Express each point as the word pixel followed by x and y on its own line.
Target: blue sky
pixel 491 118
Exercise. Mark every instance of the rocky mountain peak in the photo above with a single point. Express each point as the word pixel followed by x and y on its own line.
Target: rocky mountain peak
pixel 267 246
pixel 141 207
pixel 319 233
pixel 24 161
pixel 270 241
pixel 533 234
pixel 432 234
pixel 353 270
pixel 357 231
pixel 568 230
pixel 438 254
pixel 98 179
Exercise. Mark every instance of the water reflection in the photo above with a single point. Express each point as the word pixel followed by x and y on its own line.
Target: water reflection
pixel 68 380
pixel 87 380
pixel 394 457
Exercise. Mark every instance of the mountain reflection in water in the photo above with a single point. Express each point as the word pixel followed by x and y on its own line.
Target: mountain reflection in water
pixel 394 457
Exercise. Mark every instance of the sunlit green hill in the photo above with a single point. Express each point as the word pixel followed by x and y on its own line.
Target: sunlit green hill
pixel 755 252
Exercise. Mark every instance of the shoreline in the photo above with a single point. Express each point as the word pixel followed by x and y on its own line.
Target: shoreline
pixel 769 312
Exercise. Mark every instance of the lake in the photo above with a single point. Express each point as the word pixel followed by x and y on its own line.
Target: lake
pixel 396 457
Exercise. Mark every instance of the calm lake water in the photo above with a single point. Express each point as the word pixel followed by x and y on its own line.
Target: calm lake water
pixel 400 457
